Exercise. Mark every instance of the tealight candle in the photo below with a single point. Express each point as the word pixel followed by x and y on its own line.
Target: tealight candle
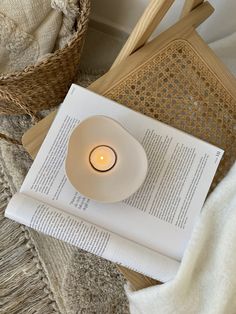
pixel 102 158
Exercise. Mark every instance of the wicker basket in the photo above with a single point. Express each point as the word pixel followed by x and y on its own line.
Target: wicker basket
pixel 45 84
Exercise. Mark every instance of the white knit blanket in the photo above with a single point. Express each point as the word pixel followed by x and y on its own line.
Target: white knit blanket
pixel 206 281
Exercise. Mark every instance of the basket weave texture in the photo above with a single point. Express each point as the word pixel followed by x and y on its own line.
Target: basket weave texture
pixel 178 88
pixel 45 84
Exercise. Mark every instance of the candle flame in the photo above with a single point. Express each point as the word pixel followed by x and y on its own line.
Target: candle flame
pixel 102 158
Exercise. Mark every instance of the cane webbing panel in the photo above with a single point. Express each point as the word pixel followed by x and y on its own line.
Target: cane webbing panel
pixel 178 88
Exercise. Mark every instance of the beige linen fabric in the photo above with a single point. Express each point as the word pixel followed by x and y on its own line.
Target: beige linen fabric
pixel 30 29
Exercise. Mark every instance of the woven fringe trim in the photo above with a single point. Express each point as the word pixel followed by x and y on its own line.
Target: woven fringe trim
pixel 24 287
pixel 9 139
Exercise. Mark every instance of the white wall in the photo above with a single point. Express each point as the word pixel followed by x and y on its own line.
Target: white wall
pixel 123 14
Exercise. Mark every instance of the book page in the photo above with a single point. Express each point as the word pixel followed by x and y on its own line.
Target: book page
pixel 89 237
pixel 161 214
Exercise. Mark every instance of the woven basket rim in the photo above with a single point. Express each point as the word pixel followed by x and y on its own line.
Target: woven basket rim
pixel 83 14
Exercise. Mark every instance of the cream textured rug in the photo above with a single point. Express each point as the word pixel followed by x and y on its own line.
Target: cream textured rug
pixel 39 274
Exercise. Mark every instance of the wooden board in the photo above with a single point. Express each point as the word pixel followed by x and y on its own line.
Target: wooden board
pixel 189 6
pixel 148 22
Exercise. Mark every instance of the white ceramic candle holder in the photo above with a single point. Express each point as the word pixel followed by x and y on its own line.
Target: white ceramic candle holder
pixel 104 161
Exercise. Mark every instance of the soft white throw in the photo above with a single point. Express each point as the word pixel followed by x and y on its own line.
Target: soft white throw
pixel 206 281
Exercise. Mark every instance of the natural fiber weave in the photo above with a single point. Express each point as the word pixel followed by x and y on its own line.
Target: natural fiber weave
pixel 45 84
pixel 178 88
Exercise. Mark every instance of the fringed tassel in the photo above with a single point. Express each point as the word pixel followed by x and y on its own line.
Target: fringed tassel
pixel 9 139
pixel 24 287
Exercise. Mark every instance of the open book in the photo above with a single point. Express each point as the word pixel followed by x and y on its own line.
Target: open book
pixel 149 231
